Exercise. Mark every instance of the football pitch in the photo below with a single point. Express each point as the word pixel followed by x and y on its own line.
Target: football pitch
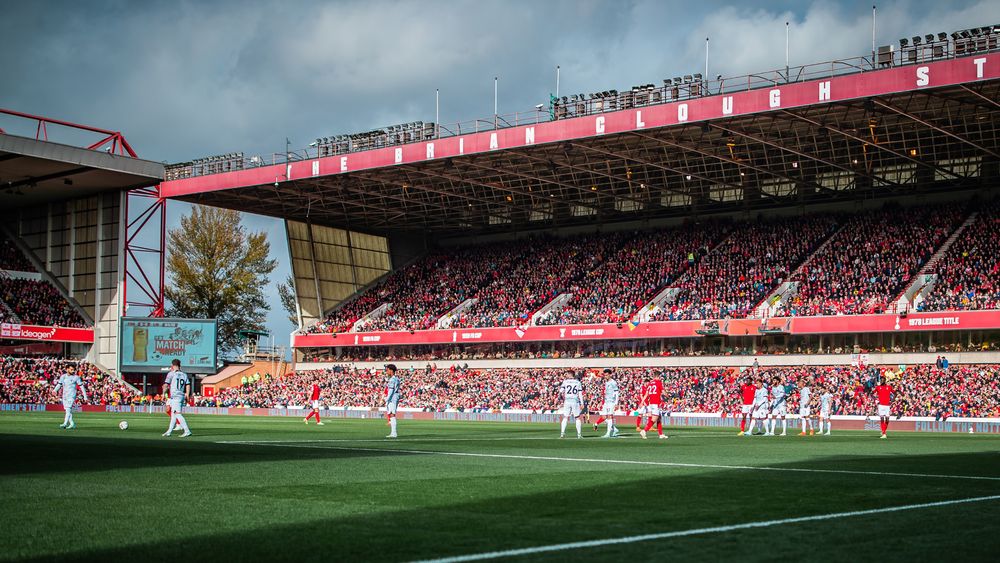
pixel 246 488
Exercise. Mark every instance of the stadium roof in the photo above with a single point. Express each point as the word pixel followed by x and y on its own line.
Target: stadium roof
pixel 37 170
pixel 836 131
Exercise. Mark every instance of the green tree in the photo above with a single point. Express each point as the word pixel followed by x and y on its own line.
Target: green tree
pixel 286 291
pixel 218 270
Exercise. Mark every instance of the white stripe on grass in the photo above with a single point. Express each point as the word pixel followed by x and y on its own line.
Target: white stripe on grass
pixel 317 445
pixel 700 531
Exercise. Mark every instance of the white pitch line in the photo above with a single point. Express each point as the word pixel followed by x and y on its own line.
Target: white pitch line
pixel 699 531
pixel 619 461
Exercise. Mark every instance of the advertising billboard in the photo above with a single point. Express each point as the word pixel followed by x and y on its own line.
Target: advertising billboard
pixel 149 345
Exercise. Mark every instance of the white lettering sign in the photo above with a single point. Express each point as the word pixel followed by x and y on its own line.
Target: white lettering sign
pixel 774 99
pixel 923 78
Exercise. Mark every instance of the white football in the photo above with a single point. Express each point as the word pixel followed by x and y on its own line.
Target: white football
pixel 123 425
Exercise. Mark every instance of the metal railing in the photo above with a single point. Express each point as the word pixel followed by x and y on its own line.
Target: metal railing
pixel 577 105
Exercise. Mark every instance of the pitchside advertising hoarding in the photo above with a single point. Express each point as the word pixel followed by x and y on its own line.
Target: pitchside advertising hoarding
pixel 149 345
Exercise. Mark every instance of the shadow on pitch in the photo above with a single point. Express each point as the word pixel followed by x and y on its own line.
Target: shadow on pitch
pixel 550 502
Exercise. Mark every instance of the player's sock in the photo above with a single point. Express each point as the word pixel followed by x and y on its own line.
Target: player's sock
pixel 881 424
pixel 562 428
pixel 70 416
pixel 318 421
pixel 649 425
pixel 392 426
pixel 173 423
pixel 659 427
pixel 743 424
pixel 183 423
pixel 804 424
pixel 600 419
pixel 784 425
pixel 611 426
pixel 67 418
pixel 579 427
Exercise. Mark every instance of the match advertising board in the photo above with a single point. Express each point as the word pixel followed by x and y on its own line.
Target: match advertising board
pixel 149 344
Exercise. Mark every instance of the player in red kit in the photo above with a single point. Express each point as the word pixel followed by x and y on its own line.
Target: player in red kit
pixel 884 394
pixel 314 397
pixel 652 397
pixel 747 391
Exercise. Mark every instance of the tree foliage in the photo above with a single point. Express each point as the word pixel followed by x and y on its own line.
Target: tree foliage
pixel 216 269
pixel 286 290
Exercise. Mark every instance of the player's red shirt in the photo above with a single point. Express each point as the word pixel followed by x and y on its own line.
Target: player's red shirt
pixel 884 393
pixel 747 391
pixel 652 392
pixel 315 392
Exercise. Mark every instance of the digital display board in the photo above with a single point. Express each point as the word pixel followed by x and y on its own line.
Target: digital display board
pixel 149 344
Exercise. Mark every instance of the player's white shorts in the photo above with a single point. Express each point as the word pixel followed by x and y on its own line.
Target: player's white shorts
pixel 883 410
pixel 805 411
pixel 824 413
pixel 390 408
pixel 761 411
pixel 176 405
pixel 68 405
pixel 316 404
pixel 571 409
pixel 652 410
pixel 779 410
pixel 745 409
pixel 609 408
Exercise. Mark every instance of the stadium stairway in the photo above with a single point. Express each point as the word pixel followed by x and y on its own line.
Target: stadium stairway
pixel 371 316
pixel 925 280
pixel 449 317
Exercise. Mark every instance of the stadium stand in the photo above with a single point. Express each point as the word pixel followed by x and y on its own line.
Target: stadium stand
pixel 968 273
pixel 867 262
pixel 544 269
pixel 31 381
pixel 11 258
pixel 745 267
pixel 871 260
pixel 624 284
pixel 966 390
pixel 39 303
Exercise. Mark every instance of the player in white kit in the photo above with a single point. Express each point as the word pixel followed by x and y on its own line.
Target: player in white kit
pixel 69 381
pixel 572 393
pixel 392 398
pixel 178 384
pixel 779 406
pixel 805 395
pixel 825 406
pixel 610 405
pixel 761 407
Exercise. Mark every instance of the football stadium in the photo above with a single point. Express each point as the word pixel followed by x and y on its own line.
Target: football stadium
pixel 739 316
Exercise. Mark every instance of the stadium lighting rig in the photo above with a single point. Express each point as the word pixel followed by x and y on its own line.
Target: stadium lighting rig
pixel 377 138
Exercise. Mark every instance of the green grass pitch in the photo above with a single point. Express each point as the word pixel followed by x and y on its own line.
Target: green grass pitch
pixel 245 488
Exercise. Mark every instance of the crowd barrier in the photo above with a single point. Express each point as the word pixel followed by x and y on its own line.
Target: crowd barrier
pixel 703 420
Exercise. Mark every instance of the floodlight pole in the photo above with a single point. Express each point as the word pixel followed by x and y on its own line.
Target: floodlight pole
pixel 786 53
pixel 706 59
pixel 557 81
pixel 437 113
pixel 873 36
pixel 496 114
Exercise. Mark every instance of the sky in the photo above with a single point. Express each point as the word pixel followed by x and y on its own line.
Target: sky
pixel 185 79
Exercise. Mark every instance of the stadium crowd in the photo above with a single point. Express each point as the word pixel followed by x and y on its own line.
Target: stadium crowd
pixel 11 258
pixel 870 261
pixel 631 277
pixel 32 380
pixel 958 390
pixel 968 272
pixel 864 266
pixel 547 268
pixel 38 303
pixel 745 267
